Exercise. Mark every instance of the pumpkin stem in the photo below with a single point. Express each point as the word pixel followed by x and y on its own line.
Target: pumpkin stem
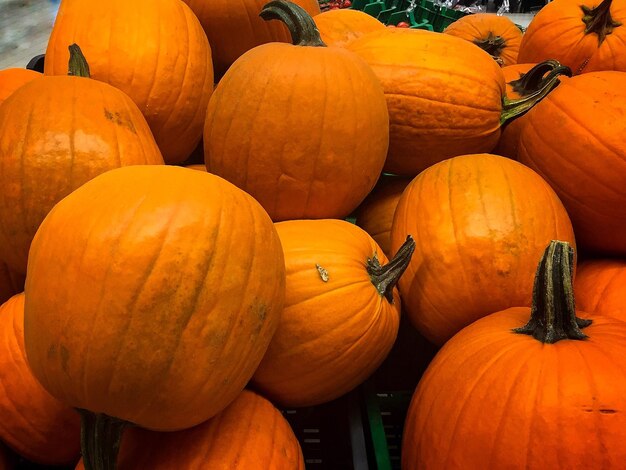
pixel 491 44
pixel 386 277
pixel 513 108
pixel 553 312
pixel 100 437
pixel 532 80
pixel 599 20
pixel 78 65
pixel 300 24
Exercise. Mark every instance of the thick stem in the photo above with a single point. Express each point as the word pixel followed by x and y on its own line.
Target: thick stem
pixel 386 277
pixel 598 20
pixel 532 80
pixel 513 108
pixel 492 44
pixel 553 312
pixel 100 437
pixel 300 24
pixel 78 65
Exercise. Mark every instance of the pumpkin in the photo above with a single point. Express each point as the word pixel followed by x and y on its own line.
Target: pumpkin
pixel 375 214
pixel 58 133
pixel 480 222
pixel 445 96
pixel 313 144
pixel 198 167
pixel 171 307
pixel 249 434
pixel 235 27
pixel 339 27
pixel 496 35
pixel 153 50
pixel 10 283
pixel 599 287
pixel 12 79
pixel 34 424
pixel 7 459
pixel 501 394
pixel 585 35
pixel 575 140
pixel 341 312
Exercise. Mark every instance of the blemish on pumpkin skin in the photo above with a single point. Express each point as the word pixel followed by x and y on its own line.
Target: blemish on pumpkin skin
pixel 322 272
pixel 65 357
pixel 116 118
pixel 52 351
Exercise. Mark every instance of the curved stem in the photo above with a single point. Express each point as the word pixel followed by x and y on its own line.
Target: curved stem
pixel 78 65
pixel 532 80
pixel 598 20
pixel 386 277
pixel 100 437
pixel 300 24
pixel 492 44
pixel 553 312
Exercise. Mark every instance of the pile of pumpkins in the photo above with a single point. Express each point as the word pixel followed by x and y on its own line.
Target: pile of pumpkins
pixel 175 259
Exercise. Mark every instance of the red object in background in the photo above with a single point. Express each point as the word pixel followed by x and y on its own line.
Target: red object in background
pixel 402 24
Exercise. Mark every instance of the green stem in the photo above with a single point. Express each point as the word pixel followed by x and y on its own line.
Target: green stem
pixel 78 65
pixel 386 277
pixel 553 312
pixel 532 80
pixel 598 20
pixel 300 24
pixel 100 437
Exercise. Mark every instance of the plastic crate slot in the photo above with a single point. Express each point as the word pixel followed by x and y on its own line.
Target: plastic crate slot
pixel 312 441
pixel 311 431
pixel 313 461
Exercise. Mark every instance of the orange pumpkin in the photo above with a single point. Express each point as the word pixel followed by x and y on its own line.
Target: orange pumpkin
pixel 10 283
pixel 12 79
pixel 58 133
pixel 585 35
pixel 599 287
pixel 375 214
pixel 308 147
pixel 503 395
pixel 153 50
pixel 339 27
pixel 198 167
pixel 574 138
pixel 34 424
pixel 480 222
pixel 341 312
pixel 250 434
pixel 496 35
pixel 172 305
pixel 235 27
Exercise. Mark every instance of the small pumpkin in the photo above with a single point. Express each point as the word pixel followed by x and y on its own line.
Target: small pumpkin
pixel 249 434
pixel 585 35
pixel 479 222
pixel 302 128
pixel 33 423
pixel 339 27
pixel 517 394
pixel 58 133
pixel 497 35
pixel 12 79
pixel 155 51
pixel 341 312
pixel 599 287
pixel 171 307
pixel 10 283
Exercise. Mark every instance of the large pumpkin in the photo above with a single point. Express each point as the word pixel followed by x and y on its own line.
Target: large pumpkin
pixel 151 296
pixel 34 424
pixel 600 287
pixel 339 27
pixel 12 79
pixel 153 50
pixel 235 27
pixel 58 133
pixel 250 434
pixel 503 395
pixel 496 35
pixel 302 128
pixel 341 312
pixel 480 223
pixel 575 140
pixel 10 283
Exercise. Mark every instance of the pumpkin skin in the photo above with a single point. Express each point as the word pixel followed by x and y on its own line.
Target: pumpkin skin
pixel 58 133
pixel 338 27
pixel 153 50
pixel 327 167
pixel 586 116
pixel 235 27
pixel 599 287
pixel 497 35
pixel 12 79
pixel 375 214
pixel 333 334
pixel 197 167
pixel 444 96
pixel 558 32
pixel 177 273
pixel 34 424
pixel 249 434
pixel 10 283
pixel 480 223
